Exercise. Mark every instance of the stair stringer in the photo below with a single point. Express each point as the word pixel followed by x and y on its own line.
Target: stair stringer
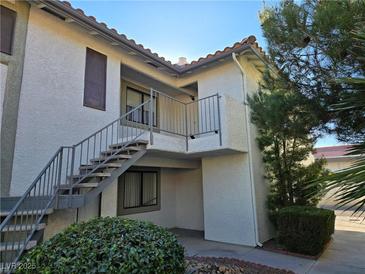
pixel 92 194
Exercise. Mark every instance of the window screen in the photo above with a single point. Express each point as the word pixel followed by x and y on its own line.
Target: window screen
pixel 7 25
pixel 95 80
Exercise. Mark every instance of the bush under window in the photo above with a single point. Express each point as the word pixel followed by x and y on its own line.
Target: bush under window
pixel 109 245
pixel 305 229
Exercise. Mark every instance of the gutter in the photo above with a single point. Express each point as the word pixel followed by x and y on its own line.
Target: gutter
pixel 248 134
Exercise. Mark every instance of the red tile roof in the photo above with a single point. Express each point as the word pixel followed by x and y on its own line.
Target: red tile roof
pixel 249 42
pixel 332 151
pixel 102 24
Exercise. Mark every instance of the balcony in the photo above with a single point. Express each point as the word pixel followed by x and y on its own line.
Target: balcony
pixel 191 127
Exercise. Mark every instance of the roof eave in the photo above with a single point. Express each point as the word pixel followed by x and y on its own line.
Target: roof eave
pixel 105 32
pixel 114 36
pixel 241 50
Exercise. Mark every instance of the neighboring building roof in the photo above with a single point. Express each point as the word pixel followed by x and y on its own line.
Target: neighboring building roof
pixel 72 14
pixel 331 152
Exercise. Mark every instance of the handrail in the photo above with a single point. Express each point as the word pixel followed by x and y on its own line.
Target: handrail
pixel 118 119
pixel 168 96
pixel 3 223
pixel 41 194
pixel 204 98
pixel 135 131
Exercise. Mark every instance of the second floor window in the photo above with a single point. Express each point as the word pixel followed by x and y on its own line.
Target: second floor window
pixel 95 80
pixel 136 98
pixel 7 24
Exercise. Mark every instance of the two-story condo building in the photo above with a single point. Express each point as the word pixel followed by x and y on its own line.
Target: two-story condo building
pixel 94 124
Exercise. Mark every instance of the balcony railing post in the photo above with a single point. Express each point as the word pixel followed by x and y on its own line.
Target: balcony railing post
pixel 151 117
pixel 72 163
pixel 59 175
pixel 186 127
pixel 71 174
pixel 60 167
pixel 219 120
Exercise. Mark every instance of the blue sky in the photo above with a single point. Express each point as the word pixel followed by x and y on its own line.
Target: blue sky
pixel 183 28
pixel 180 28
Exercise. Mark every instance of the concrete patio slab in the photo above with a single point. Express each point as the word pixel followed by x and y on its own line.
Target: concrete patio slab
pixel 345 254
pixel 195 245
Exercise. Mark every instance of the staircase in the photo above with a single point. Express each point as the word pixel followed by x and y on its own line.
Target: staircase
pixel 74 176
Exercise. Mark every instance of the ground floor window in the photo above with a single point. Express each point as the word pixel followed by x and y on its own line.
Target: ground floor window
pixel 138 191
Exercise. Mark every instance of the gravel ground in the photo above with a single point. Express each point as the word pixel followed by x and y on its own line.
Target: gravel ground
pixel 211 265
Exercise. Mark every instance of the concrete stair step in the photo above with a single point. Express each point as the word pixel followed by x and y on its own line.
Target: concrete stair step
pixel 82 185
pixel 134 143
pixel 106 165
pixel 92 175
pixel 11 246
pixel 127 149
pixel 27 212
pixel 24 227
pixel 112 158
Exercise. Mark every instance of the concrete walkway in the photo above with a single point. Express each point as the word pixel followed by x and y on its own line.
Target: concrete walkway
pixel 345 254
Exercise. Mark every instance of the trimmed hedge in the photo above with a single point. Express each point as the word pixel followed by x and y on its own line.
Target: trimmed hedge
pixel 108 245
pixel 305 229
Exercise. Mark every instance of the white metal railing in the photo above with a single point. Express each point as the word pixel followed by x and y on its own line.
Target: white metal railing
pixel 186 119
pixel 61 169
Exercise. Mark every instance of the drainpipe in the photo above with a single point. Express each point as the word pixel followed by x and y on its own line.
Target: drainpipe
pixel 248 133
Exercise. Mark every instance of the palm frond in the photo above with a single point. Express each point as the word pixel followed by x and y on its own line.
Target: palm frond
pixel 348 184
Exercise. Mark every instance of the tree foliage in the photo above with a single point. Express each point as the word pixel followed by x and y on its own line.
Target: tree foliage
pixel 285 124
pixel 349 183
pixel 311 42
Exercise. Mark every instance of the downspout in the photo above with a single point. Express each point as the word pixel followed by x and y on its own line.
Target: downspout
pixel 248 133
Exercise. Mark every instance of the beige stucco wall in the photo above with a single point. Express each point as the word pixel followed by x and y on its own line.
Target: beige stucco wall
pixel 227 80
pixel 228 211
pixel 340 163
pixel 51 104
pixel 181 200
pixel 52 114
pixel 189 199
pixel 334 165
pixel 181 204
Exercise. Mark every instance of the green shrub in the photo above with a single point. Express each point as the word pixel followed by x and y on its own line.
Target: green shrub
pixel 108 245
pixel 305 229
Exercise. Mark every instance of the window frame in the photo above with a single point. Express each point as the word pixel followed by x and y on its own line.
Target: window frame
pixel 13 14
pixel 146 123
pixel 121 210
pixel 88 104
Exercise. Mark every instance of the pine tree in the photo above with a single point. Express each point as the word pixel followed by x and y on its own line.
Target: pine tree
pixel 286 133
pixel 311 42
